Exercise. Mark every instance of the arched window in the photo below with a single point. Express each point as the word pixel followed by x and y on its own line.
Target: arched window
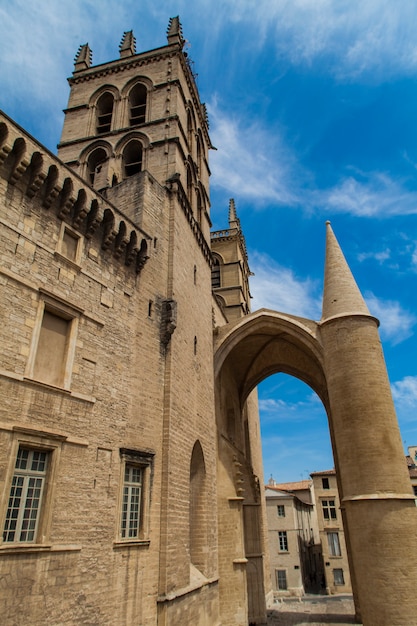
pixel 199 160
pixel 95 162
pixel 189 185
pixel 190 131
pixel 198 509
pixel 137 105
pixel 104 113
pixel 199 209
pixel 215 274
pixel 132 158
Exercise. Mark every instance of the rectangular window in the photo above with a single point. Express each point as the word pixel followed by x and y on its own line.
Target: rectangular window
pixel 334 544
pixel 283 541
pixel 325 483
pixel 281 510
pixel 70 244
pixel 26 495
pixel 135 495
pixel 281 577
pixel 53 341
pixel 329 509
pixel 338 577
pixel 132 502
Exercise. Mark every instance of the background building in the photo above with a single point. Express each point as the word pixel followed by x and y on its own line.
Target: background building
pixel 294 549
pixel 332 536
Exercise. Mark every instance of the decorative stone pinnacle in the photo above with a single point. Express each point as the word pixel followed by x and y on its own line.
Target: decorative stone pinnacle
pixel 128 44
pixel 83 58
pixel 233 219
pixel 174 31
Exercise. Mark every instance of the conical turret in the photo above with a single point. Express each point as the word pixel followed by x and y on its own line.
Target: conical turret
pixel 341 295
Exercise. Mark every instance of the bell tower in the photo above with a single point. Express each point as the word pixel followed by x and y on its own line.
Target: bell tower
pixel 141 112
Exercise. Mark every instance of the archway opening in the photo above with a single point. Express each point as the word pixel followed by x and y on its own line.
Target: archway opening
pixel 294 429
pixel 306 539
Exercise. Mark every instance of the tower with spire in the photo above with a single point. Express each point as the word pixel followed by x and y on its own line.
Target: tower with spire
pixel 377 502
pixel 230 273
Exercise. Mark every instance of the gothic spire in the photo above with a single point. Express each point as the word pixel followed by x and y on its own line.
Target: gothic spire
pixel 174 31
pixel 233 219
pixel 83 58
pixel 341 295
pixel 128 44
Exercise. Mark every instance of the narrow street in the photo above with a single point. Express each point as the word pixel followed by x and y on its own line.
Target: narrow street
pixel 313 610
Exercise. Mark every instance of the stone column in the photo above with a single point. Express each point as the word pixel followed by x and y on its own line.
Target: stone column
pixel 379 505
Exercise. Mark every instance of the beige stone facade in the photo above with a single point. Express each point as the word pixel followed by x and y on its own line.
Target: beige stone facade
pixel 332 534
pixel 293 542
pixel 130 463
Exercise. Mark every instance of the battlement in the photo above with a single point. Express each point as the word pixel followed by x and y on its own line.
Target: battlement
pixel 27 164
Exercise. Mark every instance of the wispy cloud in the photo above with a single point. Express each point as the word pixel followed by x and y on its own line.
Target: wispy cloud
pixel 277 287
pixel 396 323
pixel 254 163
pixel 381 256
pixel 405 391
pixel 274 409
pixel 375 194
pixel 251 162
pixel 375 38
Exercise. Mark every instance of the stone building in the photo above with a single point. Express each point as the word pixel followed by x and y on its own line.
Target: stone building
pixel 294 549
pixel 130 463
pixel 332 535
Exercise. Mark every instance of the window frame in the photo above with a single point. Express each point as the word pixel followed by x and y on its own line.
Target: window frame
pixel 52 447
pixel 136 117
pixel 281 510
pixel 325 483
pixel 283 541
pixel 339 578
pixel 333 542
pixel 65 228
pixel 143 461
pixel 67 312
pixel 281 574
pixel 329 510
pixel 104 126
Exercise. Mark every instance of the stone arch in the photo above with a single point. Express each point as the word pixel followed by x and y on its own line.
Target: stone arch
pixel 246 352
pixel 103 105
pixel 267 342
pixel 136 101
pixel 341 359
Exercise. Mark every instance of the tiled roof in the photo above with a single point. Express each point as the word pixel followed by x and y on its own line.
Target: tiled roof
pixel 330 472
pixel 296 486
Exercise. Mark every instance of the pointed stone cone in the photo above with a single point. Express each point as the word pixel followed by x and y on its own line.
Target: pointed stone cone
pixel 375 490
pixel 341 294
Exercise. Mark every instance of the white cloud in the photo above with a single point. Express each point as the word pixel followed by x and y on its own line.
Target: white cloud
pixel 276 287
pixel 380 257
pixel 251 161
pixel 377 195
pixel 375 38
pixel 396 323
pixel 404 391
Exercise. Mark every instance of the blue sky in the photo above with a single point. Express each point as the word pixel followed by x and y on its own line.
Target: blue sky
pixel 313 111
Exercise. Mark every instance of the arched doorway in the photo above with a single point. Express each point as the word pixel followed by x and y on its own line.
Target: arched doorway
pixel 341 360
